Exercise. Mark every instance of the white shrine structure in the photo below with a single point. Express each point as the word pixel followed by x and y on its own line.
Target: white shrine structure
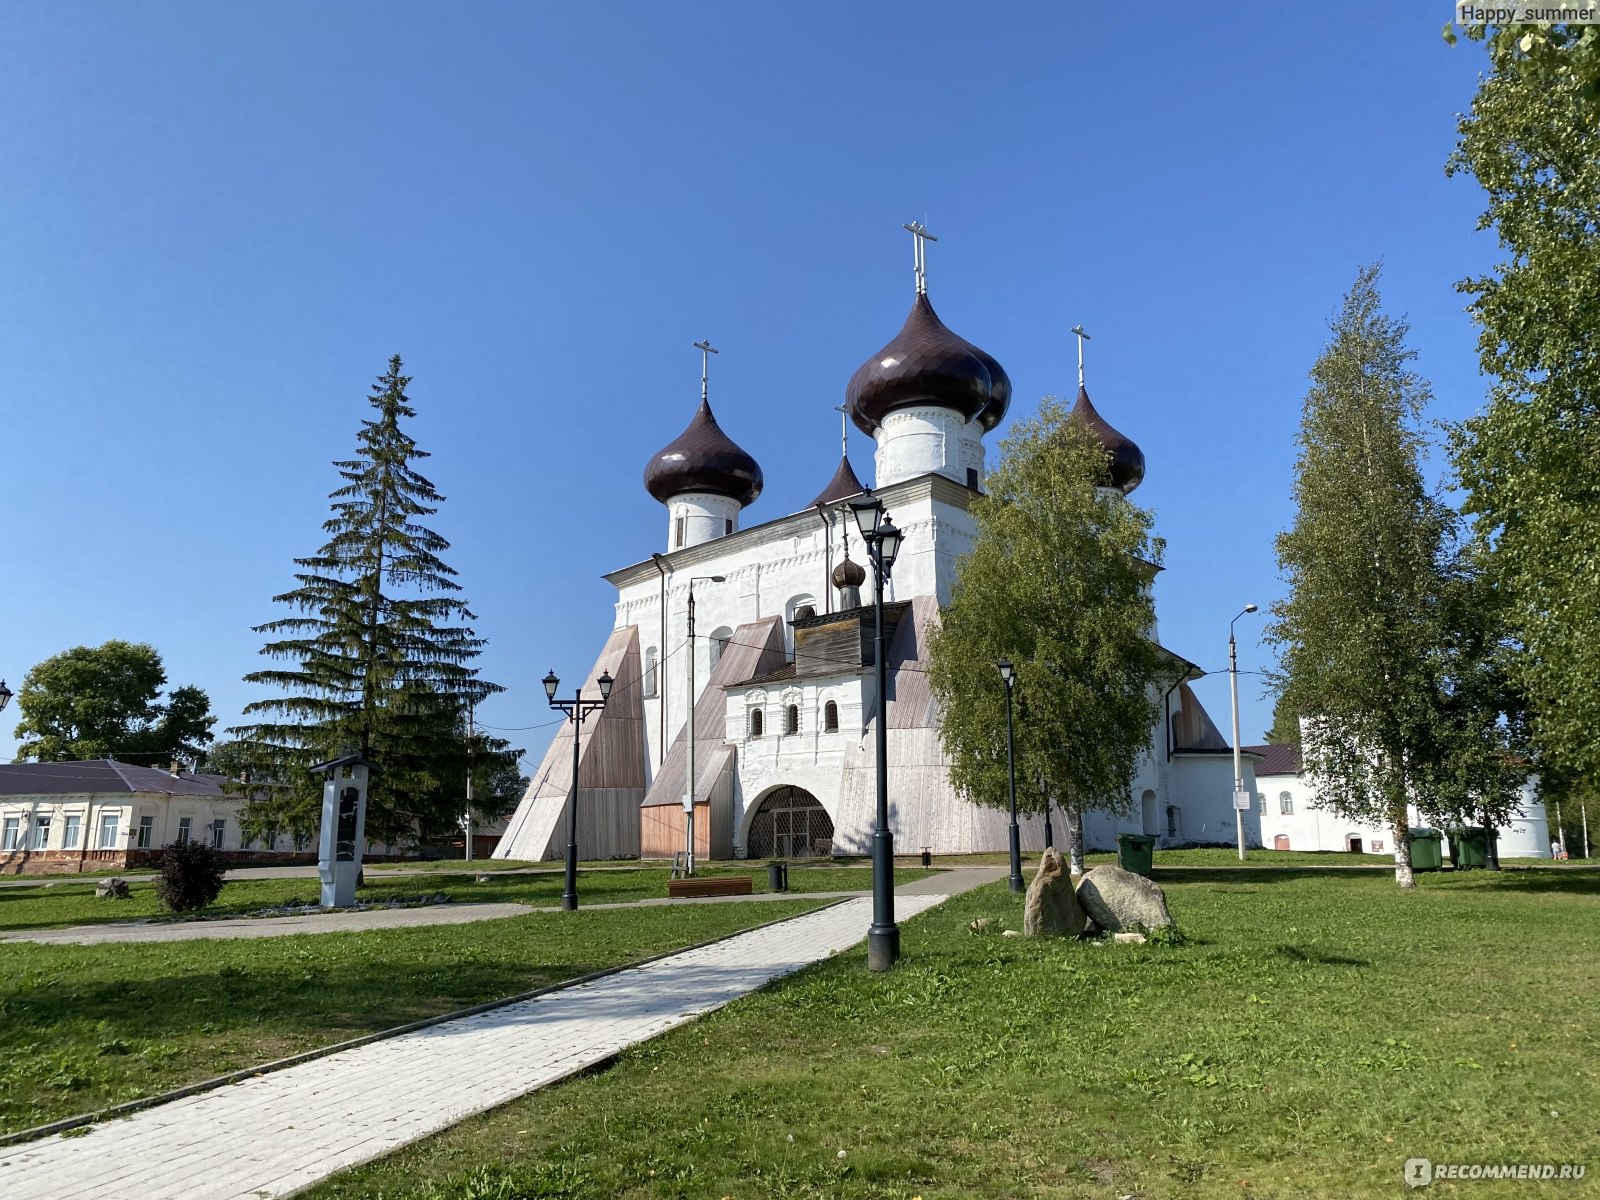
pixel 784 693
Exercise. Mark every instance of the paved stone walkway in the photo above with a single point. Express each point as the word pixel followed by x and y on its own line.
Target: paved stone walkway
pixel 273 1134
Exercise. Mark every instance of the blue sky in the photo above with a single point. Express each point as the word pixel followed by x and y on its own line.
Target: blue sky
pixel 220 220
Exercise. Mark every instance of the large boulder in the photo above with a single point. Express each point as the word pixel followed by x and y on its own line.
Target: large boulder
pixel 1115 900
pixel 1050 908
pixel 112 889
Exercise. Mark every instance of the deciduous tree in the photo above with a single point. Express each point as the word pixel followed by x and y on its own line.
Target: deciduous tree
pixel 105 702
pixel 1532 140
pixel 1386 643
pixel 1058 582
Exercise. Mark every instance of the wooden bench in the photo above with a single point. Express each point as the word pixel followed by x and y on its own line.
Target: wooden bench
pixel 709 885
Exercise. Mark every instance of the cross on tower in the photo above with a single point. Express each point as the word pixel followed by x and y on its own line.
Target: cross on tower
pixel 1082 338
pixel 919 239
pixel 706 351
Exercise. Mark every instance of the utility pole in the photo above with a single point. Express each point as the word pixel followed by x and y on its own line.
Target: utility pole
pixel 466 820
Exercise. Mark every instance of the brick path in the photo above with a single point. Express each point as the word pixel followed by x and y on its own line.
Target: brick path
pixel 276 1133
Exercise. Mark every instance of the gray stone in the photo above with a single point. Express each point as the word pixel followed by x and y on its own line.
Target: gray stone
pixel 112 889
pixel 1136 939
pixel 1051 908
pixel 1115 900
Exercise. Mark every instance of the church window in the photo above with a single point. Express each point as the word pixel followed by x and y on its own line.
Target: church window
pixel 791 719
pixel 830 717
pixel 677 543
pixel 1285 804
pixel 719 643
pixel 804 611
pixel 727 527
pixel 650 669
pixel 755 722
pixel 972 478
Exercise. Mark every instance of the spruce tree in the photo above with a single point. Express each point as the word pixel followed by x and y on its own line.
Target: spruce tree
pixel 377 655
pixel 1058 582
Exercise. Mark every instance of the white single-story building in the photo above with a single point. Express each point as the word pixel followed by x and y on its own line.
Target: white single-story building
pixel 1293 819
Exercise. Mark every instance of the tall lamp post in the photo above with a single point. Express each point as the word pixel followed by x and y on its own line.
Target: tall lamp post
pixel 1238 768
pixel 688 791
pixel 883 545
pixel 577 710
pixel 1009 674
pixel 5 695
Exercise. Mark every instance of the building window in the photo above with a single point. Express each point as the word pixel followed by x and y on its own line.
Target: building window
pixel 804 611
pixel 108 830
pixel 185 824
pixel 218 829
pixel 650 668
pixel 1375 846
pixel 677 535
pixel 830 717
pixel 41 833
pixel 791 719
pixel 147 832
pixel 1172 821
pixel 727 527
pixel 69 833
pixel 10 837
pixel 755 722
pixel 719 643
pixel 1285 804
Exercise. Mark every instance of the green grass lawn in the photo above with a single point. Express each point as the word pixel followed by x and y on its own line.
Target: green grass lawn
pixel 85 1027
pixel 52 906
pixel 1318 1029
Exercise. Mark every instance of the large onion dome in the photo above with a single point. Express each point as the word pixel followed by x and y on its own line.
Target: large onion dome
pixel 926 364
pixel 844 483
pixel 703 459
pixel 1126 468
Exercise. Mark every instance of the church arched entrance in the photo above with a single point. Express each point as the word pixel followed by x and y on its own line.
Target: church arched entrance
pixel 790 823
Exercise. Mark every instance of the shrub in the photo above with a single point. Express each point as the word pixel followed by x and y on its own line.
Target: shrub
pixel 191 876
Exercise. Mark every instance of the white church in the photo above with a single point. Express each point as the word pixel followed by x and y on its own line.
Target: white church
pixel 780 670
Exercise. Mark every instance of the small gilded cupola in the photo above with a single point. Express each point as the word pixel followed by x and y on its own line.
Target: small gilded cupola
pixel 928 397
pixel 703 476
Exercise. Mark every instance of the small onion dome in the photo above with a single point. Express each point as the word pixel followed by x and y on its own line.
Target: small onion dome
pixel 927 364
pixel 849 574
pixel 703 459
pixel 844 483
pixel 1125 471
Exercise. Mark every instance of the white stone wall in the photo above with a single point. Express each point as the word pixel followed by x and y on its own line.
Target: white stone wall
pixel 924 440
pixel 165 811
pixel 705 518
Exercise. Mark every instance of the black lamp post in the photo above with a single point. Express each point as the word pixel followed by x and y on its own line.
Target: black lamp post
pixel 5 695
pixel 883 545
pixel 1009 674
pixel 577 710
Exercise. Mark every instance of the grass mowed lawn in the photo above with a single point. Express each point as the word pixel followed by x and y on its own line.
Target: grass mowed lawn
pixel 86 1027
pixel 53 906
pixel 1318 1029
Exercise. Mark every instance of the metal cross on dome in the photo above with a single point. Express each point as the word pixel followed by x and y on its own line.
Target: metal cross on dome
pixel 919 239
pixel 1082 338
pixel 706 351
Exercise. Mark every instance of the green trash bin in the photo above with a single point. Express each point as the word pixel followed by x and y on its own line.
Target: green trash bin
pixel 1136 852
pixel 1427 850
pixel 1469 848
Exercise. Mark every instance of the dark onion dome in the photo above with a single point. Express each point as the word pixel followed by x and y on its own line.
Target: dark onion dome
pixel 999 391
pixel 849 574
pixel 703 459
pixel 844 483
pixel 927 364
pixel 1126 468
